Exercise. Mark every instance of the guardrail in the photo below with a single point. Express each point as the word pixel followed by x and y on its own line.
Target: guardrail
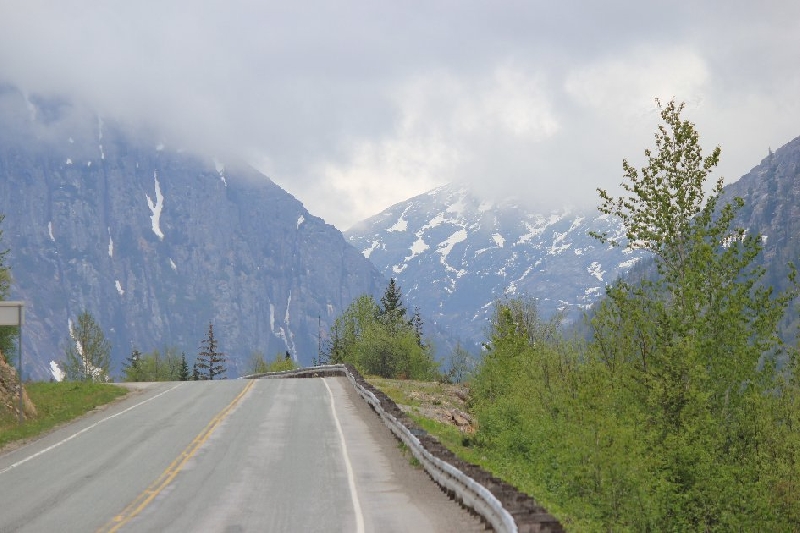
pixel 500 505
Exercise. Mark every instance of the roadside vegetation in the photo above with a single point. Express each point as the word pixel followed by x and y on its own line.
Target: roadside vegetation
pixel 380 339
pixel 56 403
pixel 681 411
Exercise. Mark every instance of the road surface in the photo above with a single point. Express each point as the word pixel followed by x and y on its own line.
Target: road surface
pixel 229 456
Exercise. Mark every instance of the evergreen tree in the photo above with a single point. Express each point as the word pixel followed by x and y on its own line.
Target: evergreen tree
pixel 88 352
pixel 392 309
pixel 130 367
pixel 183 374
pixel 210 362
pixel 416 323
pixel 195 372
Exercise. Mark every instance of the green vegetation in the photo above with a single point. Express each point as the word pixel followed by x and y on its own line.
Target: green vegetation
pixel 155 366
pixel 88 352
pixel 380 339
pixel 674 416
pixel 56 403
pixel 259 365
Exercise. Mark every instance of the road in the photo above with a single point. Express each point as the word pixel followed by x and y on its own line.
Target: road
pixel 229 456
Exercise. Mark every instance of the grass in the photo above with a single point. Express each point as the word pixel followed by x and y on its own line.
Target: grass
pixel 511 469
pixel 56 403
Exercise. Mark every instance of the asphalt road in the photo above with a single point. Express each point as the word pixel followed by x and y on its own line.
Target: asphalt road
pixel 265 455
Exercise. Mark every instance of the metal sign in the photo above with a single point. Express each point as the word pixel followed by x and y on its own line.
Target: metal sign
pixel 11 313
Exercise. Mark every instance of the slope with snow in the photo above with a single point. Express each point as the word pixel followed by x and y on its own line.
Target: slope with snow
pixel 455 254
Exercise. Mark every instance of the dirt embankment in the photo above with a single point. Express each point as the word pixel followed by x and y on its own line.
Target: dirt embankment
pixel 445 403
pixel 9 392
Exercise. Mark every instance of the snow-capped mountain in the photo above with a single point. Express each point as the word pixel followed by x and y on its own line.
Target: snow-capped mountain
pixel 454 255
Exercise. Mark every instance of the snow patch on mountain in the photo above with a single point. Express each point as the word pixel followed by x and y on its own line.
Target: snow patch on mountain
pixel 156 207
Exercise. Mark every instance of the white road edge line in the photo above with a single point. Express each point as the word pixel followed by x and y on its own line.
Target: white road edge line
pixel 350 476
pixel 84 430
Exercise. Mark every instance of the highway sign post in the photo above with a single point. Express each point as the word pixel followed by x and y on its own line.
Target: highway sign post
pixel 11 315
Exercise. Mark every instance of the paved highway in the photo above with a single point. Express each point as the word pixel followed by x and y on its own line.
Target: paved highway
pixel 263 455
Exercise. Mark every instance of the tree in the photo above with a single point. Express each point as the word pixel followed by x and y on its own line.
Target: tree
pixel 461 365
pixel 416 323
pixel 130 367
pixel 209 359
pixel 392 311
pixel 88 352
pixel 8 334
pixel 379 339
pixel 257 363
pixel 694 345
pixel 183 373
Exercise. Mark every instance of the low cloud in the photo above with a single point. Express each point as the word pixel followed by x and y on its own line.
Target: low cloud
pixel 355 106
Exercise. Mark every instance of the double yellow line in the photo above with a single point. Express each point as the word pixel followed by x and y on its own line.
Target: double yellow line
pixel 166 477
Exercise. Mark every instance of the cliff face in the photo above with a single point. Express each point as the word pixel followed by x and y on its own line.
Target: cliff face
pixel 157 243
pixel 771 194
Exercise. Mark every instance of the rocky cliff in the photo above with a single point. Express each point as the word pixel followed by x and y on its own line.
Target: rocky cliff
pixel 156 243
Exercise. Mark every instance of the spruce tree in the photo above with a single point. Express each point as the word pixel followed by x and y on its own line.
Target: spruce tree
pixel 130 367
pixel 183 374
pixel 210 362
pixel 392 301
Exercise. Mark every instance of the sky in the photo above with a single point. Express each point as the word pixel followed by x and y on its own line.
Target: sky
pixel 353 106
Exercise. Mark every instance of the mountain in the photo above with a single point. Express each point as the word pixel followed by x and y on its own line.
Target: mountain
pixel 771 194
pixel 156 243
pixel 454 255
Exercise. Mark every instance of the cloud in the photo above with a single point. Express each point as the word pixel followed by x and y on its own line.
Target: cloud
pixel 352 106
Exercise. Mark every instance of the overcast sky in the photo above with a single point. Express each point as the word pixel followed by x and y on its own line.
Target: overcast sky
pixel 354 106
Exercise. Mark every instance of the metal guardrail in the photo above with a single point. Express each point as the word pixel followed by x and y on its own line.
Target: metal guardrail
pixel 527 516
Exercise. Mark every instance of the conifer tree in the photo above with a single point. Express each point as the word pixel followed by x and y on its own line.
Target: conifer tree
pixel 416 323
pixel 183 374
pixel 130 367
pixel 392 302
pixel 210 362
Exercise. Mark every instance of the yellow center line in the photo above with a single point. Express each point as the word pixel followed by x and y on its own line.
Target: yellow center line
pixel 168 475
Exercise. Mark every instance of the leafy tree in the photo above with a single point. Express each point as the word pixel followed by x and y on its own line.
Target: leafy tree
pixel 8 334
pixel 156 366
pixel 88 352
pixel 210 362
pixel 690 345
pixel 183 373
pixel 257 363
pixel 461 365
